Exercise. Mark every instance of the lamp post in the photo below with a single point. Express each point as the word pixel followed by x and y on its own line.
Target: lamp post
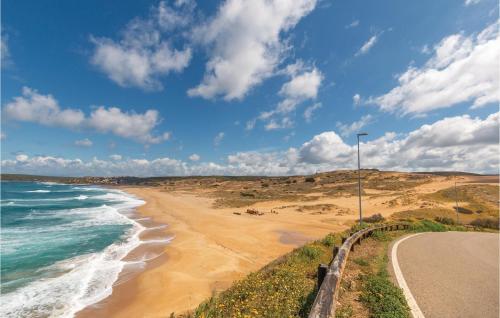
pixel 359 181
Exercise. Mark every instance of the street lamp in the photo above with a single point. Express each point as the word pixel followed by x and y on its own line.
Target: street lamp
pixel 359 180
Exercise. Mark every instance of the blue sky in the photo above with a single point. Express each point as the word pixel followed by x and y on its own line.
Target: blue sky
pixel 248 87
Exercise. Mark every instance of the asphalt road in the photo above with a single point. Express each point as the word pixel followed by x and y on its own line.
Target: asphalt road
pixel 452 274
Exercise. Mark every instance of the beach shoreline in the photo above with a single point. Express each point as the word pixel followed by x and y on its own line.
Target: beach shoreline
pixel 214 245
pixel 211 248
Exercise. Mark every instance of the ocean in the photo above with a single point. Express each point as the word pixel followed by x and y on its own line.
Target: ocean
pixel 62 246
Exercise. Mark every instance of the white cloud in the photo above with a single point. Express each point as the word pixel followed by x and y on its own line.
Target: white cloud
pixel 194 157
pixel 42 109
pixel 115 157
pixel 308 113
pixel 22 158
pixel 143 53
pixel 45 110
pixel 127 124
pixel 355 127
pixel 425 49
pixel 84 143
pixel 274 124
pixel 367 45
pixel 353 24
pixel 459 143
pixel 218 139
pixel 245 44
pixel 471 2
pixel 462 69
pixel 3 136
pixel 4 49
pixel 356 99
pixel 303 85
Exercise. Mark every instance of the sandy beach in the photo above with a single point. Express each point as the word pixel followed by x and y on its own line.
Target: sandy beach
pixel 211 248
pixel 214 246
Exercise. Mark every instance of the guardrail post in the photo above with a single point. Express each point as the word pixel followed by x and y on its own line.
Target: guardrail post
pixel 335 251
pixel 322 269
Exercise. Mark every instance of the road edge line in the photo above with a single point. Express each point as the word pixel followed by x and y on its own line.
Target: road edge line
pixel 415 309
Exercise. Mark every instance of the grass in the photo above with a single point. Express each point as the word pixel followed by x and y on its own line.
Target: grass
pixel 379 294
pixel 480 199
pixel 383 298
pixel 285 288
pixel 489 223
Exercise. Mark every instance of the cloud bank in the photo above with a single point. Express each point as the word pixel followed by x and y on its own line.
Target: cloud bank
pixel 461 69
pixel 45 110
pixel 455 143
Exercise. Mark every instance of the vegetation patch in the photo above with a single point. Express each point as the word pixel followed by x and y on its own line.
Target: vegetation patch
pixel 383 298
pixel 444 220
pixel 488 223
pixel 374 218
pixel 284 288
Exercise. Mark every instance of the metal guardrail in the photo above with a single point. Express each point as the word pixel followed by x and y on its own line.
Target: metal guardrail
pixel 329 277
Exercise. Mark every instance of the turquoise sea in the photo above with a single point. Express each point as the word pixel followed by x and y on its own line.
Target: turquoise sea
pixel 62 246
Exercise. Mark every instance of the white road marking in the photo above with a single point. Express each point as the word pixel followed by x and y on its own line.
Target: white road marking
pixel 415 310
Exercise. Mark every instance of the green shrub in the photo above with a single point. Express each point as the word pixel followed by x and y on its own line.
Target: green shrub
pixel 374 218
pixel 328 240
pixel 361 261
pixel 444 220
pixel 309 252
pixel 344 312
pixel 310 179
pixel 427 226
pixel 486 223
pixel 463 210
pixel 381 236
pixel 383 299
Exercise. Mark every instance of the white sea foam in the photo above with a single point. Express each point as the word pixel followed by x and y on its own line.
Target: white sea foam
pixel 86 279
pixel 39 191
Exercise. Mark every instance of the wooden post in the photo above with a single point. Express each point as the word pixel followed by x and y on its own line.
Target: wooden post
pixel 322 269
pixel 335 251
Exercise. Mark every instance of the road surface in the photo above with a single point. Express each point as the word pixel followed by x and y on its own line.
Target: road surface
pixel 450 274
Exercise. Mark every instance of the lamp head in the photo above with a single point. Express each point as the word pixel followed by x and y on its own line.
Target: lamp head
pixel 362 134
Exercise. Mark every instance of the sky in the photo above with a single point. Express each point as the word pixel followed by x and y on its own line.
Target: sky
pixel 235 87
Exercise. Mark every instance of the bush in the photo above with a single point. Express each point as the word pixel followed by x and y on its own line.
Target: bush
pixel 486 223
pixel 427 226
pixel 383 298
pixel 361 261
pixel 374 218
pixel 310 179
pixel 463 210
pixel 381 236
pixel 328 240
pixel 444 220
pixel 309 252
